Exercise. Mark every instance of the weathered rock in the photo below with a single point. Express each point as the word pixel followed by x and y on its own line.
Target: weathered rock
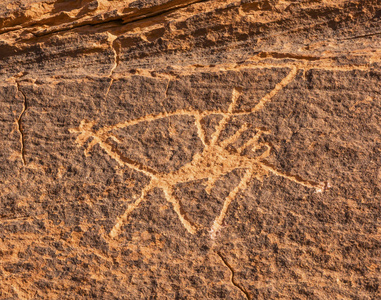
pixel 190 149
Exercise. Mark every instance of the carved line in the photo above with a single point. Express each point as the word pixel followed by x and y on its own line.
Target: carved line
pixel 168 191
pixel 219 220
pixel 123 218
pixel 234 137
pixel 253 140
pixel 86 134
pixel 199 115
pixel 199 167
pixel 226 117
pixel 295 178
pixel 200 131
pixel 285 81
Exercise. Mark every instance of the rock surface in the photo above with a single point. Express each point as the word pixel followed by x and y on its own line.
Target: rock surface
pixel 187 149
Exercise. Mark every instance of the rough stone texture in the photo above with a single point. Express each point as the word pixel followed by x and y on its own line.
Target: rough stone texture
pixel 187 149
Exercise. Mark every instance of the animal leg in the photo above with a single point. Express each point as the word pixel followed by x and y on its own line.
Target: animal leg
pixel 123 218
pixel 219 220
pixel 234 137
pixel 168 192
pixel 253 141
pixel 226 117
pixel 280 86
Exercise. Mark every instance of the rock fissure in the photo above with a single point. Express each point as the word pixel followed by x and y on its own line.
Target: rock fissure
pixel 20 127
pixel 123 19
pixel 115 46
pixel 232 276
pixel 360 36
pixel 189 149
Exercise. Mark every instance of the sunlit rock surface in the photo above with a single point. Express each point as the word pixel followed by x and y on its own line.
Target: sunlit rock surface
pixel 190 149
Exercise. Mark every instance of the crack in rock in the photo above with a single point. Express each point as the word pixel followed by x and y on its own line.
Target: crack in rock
pixel 233 281
pixel 19 123
pixel 116 48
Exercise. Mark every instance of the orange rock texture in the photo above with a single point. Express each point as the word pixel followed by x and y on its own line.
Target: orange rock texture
pixel 187 149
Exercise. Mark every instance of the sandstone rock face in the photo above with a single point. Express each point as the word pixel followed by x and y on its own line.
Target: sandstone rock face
pixel 187 149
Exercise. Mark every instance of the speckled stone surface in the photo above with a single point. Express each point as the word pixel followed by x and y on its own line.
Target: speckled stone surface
pixel 190 149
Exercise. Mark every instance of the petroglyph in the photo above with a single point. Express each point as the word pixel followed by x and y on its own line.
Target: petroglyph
pixel 214 161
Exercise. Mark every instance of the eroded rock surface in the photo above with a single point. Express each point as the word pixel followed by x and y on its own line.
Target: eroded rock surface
pixel 190 149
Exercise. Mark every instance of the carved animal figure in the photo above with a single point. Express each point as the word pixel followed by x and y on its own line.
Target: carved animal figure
pixel 213 162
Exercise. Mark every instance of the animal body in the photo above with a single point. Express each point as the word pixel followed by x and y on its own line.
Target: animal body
pixel 214 161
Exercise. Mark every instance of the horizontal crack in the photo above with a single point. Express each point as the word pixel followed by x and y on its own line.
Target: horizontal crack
pixel 143 14
pixel 288 55
pixel 360 36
